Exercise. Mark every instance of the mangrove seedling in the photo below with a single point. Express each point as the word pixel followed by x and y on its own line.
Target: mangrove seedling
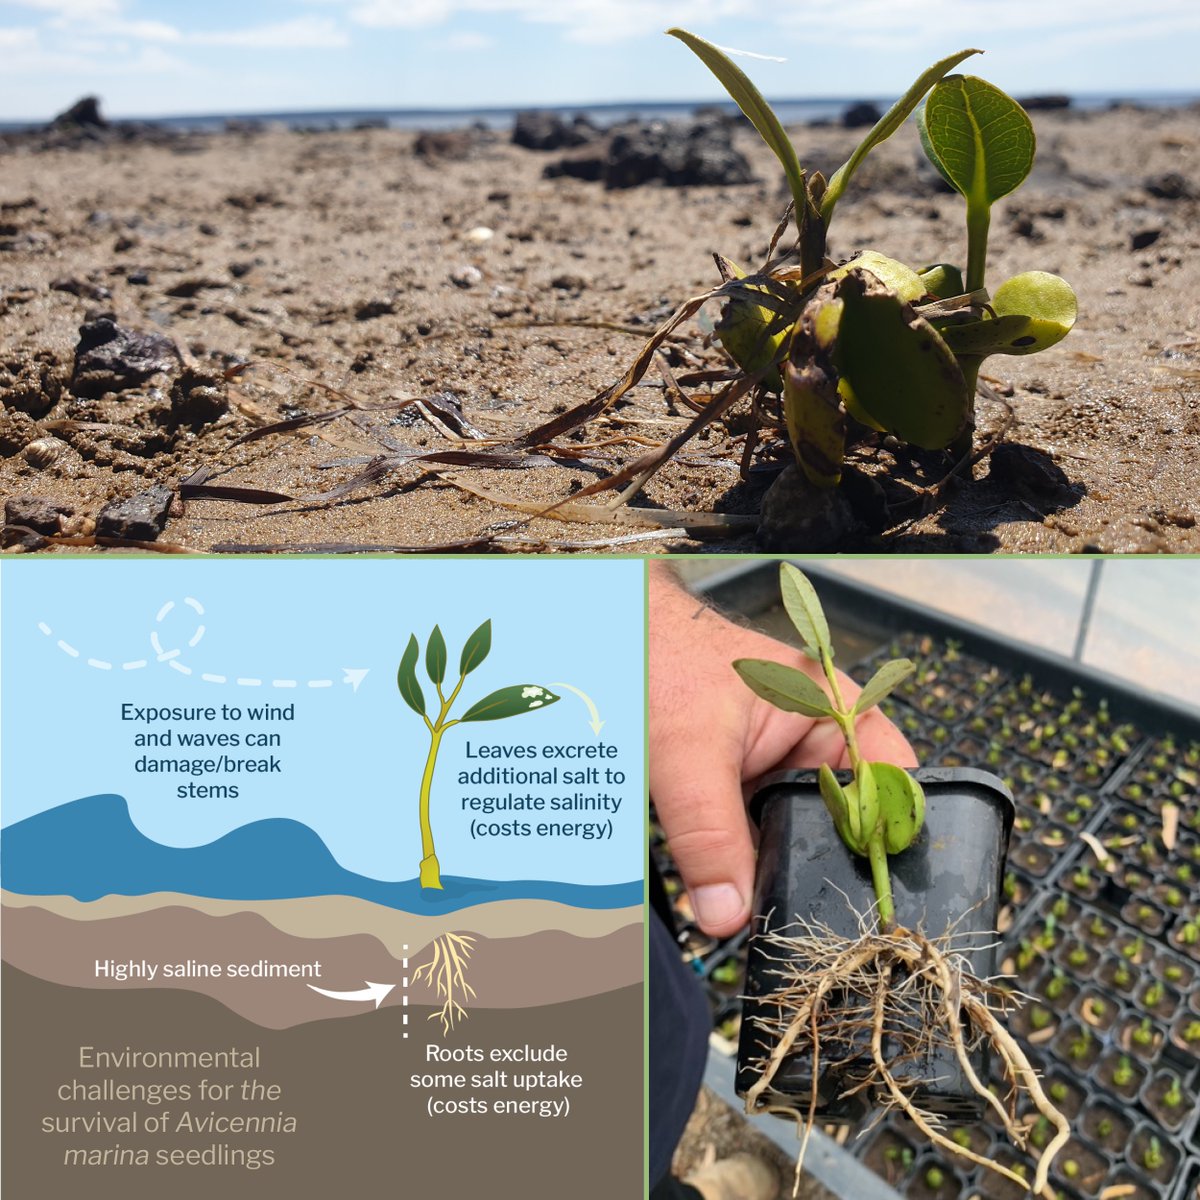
pixel 1153 995
pixel 1173 1097
pixel 506 702
pixel 1123 1072
pixel 878 812
pixel 1070 1168
pixel 1152 1156
pixel 1057 985
pixel 1143 1035
pixel 1105 1127
pixel 934 1178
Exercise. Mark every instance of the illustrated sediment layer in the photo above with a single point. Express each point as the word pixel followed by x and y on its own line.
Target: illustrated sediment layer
pixel 49 940
pixel 359 1122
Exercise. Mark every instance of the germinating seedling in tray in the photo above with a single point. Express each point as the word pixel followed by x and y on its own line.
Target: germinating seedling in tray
pixel 874 344
pixel 898 990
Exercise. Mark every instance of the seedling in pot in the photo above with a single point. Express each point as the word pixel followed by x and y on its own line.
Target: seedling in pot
pixel 839 990
pixel 506 702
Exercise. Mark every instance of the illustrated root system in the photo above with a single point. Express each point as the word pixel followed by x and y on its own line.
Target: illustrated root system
pixel 446 973
pixel 893 999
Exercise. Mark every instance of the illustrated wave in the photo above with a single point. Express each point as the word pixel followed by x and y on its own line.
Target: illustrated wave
pixel 90 848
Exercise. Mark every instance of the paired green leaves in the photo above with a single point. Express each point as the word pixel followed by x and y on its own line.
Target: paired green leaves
pixel 406 677
pixel 901 801
pixel 510 702
pixel 883 683
pixel 760 114
pixel 886 126
pixel 883 801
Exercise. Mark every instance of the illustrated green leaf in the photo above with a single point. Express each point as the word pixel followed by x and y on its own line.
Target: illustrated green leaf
pixel 435 656
pixel 406 677
pixel 901 806
pixel 804 610
pixel 760 114
pixel 1034 311
pixel 476 650
pixel 785 687
pixel 886 126
pixel 882 683
pixel 510 702
pixel 902 373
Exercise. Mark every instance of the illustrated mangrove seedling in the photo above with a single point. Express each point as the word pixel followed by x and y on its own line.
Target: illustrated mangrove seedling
pixel 506 702
pixel 843 990
pixel 446 973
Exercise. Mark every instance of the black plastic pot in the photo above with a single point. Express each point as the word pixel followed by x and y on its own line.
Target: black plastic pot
pixel 950 878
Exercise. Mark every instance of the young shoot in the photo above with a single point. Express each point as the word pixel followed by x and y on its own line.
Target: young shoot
pixel 506 702
pixel 881 811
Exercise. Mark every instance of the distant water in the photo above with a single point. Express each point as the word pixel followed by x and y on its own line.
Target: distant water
pixel 791 112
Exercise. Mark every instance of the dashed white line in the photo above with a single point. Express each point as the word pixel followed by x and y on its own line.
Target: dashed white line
pixel 99 664
pixel 283 683
pixel 213 678
pixel 320 683
pixel 66 649
pixel 45 628
pixel 250 682
pixel 195 638
pixel 133 666
pixel 194 604
pixel 166 608
pixel 178 666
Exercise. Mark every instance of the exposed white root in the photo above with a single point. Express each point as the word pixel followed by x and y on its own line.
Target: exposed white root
pixel 905 996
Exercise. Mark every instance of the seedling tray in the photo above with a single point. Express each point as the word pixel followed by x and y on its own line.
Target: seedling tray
pixel 981 700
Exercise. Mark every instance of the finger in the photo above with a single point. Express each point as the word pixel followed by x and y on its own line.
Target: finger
pixel 698 798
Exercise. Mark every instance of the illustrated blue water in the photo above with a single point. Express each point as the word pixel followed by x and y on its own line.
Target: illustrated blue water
pixel 91 848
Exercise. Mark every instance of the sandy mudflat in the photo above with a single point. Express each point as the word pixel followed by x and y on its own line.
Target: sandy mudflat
pixel 332 258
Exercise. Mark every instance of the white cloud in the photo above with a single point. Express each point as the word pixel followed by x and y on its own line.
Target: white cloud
pixel 469 40
pixel 17 39
pixel 302 32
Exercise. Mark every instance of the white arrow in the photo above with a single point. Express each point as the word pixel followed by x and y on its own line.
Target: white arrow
pixel 373 991
pixel 595 722
pixel 354 675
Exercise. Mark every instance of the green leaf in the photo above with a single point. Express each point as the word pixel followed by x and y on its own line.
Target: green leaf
pixel 406 677
pixel 510 702
pixel 785 687
pixel 901 806
pixel 942 280
pixel 816 422
pixel 804 609
pixel 755 334
pixel 902 373
pixel 760 114
pixel 898 277
pixel 978 137
pixel 982 142
pixel 435 656
pixel 476 650
pixel 882 683
pixel 886 126
pixel 1034 311
pixel 836 802
pixel 867 798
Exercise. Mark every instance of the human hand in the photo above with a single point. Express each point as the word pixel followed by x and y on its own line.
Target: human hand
pixel 711 737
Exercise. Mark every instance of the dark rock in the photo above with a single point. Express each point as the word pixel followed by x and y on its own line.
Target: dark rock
pixel 240 269
pixel 198 397
pixel 141 518
pixel 37 513
pixel 32 383
pixel 81 287
pixel 188 288
pixel 587 163
pixel 15 537
pixel 798 517
pixel 1032 475
pixel 862 115
pixel 374 308
pixel 1044 103
pixel 536 129
pixel 110 358
pixel 138 278
pixel 1140 239
pixel 569 283
pixel 679 156
pixel 449 145
pixel 83 113
pixel 1171 186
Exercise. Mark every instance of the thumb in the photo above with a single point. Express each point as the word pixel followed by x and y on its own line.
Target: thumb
pixel 698 798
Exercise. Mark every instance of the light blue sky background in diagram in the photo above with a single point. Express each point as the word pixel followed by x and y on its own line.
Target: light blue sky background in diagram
pixel 157 57
pixel 352 762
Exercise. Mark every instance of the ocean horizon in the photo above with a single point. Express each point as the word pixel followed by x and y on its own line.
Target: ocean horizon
pixel 790 112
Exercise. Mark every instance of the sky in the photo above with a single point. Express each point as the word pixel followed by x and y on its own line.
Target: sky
pixel 165 57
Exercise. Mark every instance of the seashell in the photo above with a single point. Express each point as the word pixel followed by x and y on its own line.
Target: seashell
pixel 41 452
